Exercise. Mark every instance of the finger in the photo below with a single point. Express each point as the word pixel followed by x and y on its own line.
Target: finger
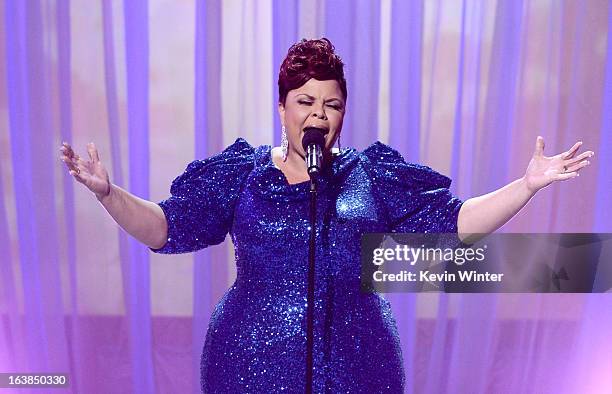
pixel 580 157
pixel 74 164
pixel 77 175
pixel 93 152
pixel 83 166
pixel 79 163
pixel 539 147
pixel 570 153
pixel 567 175
pixel 68 149
pixel 68 162
pixel 578 166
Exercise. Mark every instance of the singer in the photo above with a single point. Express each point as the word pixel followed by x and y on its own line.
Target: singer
pixel 256 339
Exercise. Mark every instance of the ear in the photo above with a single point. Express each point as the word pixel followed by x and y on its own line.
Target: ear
pixel 281 112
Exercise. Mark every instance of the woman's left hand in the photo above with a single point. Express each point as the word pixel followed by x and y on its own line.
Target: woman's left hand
pixel 544 170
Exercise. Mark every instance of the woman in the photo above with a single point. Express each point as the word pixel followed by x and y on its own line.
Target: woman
pixel 256 337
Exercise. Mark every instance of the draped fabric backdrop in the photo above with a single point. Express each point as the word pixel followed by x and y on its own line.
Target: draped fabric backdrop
pixel 462 86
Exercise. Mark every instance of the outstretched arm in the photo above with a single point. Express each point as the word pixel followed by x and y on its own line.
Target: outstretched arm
pixel 142 219
pixel 487 213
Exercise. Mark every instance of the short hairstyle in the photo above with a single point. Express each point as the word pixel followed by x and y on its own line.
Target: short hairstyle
pixel 310 59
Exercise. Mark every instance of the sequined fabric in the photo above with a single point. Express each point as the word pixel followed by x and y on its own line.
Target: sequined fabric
pixel 256 340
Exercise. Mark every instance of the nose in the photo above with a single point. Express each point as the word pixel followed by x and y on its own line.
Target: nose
pixel 319 113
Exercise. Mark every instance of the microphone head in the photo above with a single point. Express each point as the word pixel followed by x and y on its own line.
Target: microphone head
pixel 313 135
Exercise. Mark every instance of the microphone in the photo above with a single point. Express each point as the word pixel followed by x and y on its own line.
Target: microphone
pixel 313 143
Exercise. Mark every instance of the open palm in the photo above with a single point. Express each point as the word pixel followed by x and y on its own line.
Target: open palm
pixel 544 170
pixel 90 172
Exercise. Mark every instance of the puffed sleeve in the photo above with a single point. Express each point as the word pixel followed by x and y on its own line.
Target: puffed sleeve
pixel 200 209
pixel 412 197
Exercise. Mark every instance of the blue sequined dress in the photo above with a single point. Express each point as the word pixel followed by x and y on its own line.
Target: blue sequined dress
pixel 256 339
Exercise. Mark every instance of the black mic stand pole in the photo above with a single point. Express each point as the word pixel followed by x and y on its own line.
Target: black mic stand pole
pixel 313 143
pixel 311 278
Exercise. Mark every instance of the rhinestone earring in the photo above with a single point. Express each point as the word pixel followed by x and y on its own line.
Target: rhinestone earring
pixel 284 143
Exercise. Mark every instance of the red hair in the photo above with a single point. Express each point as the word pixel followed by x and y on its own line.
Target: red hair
pixel 310 59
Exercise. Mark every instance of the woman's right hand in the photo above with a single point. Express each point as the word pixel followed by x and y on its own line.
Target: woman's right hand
pixel 91 172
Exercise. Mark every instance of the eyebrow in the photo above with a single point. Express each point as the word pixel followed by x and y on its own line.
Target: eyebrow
pixel 312 98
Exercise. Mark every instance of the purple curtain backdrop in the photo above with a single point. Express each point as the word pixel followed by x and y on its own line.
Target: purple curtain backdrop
pixel 207 141
pixel 468 87
pixel 136 271
pixel 353 27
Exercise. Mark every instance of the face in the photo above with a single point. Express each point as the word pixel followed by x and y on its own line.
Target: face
pixel 316 103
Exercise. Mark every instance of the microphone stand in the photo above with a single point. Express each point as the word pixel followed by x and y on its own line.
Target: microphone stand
pixel 311 278
pixel 313 143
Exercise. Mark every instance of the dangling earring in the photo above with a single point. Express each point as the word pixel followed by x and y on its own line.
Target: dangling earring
pixel 339 146
pixel 284 143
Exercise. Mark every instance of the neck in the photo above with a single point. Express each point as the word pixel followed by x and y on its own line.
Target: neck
pixel 294 168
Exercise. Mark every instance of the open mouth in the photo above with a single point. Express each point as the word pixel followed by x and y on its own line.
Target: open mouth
pixel 325 129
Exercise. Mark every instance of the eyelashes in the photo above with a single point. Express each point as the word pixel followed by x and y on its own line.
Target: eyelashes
pixel 336 107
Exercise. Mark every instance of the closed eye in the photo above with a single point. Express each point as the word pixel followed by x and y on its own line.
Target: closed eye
pixel 336 107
